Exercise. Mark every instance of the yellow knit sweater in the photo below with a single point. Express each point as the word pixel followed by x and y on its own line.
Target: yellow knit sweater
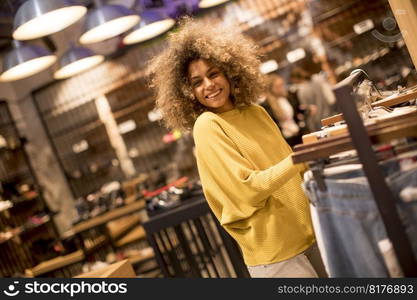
pixel 251 184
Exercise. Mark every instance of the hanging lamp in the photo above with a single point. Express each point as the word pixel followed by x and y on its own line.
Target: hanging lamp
pixel 76 60
pixel 38 18
pixel 107 21
pixel 210 3
pixel 25 60
pixel 152 24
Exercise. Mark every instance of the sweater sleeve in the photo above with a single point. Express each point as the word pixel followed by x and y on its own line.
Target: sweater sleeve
pixel 227 176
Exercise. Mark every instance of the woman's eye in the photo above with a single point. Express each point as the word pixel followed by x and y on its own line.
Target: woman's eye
pixel 196 83
pixel 214 74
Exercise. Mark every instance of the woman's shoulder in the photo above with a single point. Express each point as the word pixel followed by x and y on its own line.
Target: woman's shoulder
pixel 206 117
pixel 205 122
pixel 256 108
pixel 209 120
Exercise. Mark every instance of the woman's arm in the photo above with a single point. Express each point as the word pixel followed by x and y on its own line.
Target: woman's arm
pixel 222 167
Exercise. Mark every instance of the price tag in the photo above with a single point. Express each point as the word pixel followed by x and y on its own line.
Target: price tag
pixel 80 147
pixel 127 126
pixel 363 26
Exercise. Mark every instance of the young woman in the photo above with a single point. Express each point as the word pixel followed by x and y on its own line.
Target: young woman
pixel 284 111
pixel 207 80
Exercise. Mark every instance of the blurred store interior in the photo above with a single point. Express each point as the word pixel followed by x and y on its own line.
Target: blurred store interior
pixel 88 174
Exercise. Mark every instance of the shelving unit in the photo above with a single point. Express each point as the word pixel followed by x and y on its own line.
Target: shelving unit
pixel 27 228
pixel 132 103
pixel 98 236
pixel 81 145
pixel 379 49
pixel 279 33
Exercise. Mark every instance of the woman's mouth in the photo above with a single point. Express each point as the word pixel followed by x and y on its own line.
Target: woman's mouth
pixel 213 95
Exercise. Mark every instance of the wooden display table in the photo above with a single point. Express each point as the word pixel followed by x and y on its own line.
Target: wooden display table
pixel 106 217
pixel 121 269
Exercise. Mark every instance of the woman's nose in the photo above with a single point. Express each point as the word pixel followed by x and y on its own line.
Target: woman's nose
pixel 208 83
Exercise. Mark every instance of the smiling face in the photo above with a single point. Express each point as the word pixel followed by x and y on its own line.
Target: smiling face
pixel 210 86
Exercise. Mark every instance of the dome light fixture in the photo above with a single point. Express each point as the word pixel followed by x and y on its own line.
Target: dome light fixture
pixel 107 21
pixel 38 18
pixel 75 61
pixel 24 61
pixel 210 3
pixel 153 23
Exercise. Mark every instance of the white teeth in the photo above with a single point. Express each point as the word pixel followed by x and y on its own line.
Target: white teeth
pixel 213 95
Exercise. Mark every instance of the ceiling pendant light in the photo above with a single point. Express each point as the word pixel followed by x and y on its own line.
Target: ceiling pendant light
pixel 38 18
pixel 210 3
pixel 152 24
pixel 75 61
pixel 107 21
pixel 24 61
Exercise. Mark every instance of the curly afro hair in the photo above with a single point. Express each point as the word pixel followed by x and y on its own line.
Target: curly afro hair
pixel 235 55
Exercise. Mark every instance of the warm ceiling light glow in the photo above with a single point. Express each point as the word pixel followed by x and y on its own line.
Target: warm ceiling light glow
pixel 108 30
pixel 28 68
pixel 38 18
pixel 210 3
pixel 78 66
pixel 149 31
pixel 107 21
pixel 25 60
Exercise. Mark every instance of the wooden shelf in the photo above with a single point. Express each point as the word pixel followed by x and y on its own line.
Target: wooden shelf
pixel 129 186
pixel 66 260
pixel 332 119
pixel 334 12
pixel 78 129
pixel 142 256
pixel 131 198
pixel 121 269
pixel 92 245
pixel 397 99
pixel 106 217
pixel 55 263
pixel 379 131
pixel 136 234
pixel 121 226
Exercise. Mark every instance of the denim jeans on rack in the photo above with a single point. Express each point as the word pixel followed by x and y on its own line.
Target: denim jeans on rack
pixel 350 223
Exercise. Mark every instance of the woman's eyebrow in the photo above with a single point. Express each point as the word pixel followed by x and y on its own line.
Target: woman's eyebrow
pixel 208 70
pixel 194 77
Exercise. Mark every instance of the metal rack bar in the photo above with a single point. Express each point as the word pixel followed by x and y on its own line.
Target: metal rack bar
pixel 383 196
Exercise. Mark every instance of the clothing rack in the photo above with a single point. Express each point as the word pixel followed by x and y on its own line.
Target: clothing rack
pixel 360 138
pixel 382 194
